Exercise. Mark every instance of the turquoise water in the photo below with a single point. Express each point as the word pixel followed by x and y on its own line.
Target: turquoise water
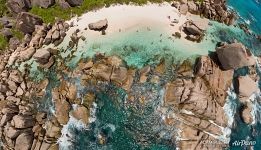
pixel 140 47
pixel 249 11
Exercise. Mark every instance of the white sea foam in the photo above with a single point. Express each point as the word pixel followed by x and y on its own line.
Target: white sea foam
pixel 247 22
pixel 256 108
pixel 111 126
pixel 67 138
pixel 230 110
pixel 230 106
pixel 93 113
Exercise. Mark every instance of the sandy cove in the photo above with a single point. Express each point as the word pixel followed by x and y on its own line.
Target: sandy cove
pixel 122 18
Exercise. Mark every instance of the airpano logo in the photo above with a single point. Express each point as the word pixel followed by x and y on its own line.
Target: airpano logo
pixel 243 143
pixel 213 143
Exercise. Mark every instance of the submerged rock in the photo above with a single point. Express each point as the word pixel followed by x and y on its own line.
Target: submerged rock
pixel 234 56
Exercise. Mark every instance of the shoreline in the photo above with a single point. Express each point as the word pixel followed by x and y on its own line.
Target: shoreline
pixel 137 22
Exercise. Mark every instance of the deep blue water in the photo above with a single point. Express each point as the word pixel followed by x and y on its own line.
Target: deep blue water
pixel 249 11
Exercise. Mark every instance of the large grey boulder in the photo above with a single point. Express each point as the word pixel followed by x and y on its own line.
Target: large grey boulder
pixel 23 121
pixel 74 3
pixel 234 56
pixel 99 25
pixel 191 29
pixel 245 87
pixel 18 6
pixel 24 141
pixel 14 42
pixel 42 56
pixel 63 4
pixel 6 32
pixel 26 22
pixel 26 54
pixel 192 7
pixel 43 3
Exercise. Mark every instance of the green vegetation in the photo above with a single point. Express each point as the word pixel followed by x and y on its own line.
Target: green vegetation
pixel 18 34
pixel 3 43
pixel 3 9
pixel 49 15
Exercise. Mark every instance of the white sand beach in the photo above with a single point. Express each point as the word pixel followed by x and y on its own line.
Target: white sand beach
pixel 149 26
pixel 127 17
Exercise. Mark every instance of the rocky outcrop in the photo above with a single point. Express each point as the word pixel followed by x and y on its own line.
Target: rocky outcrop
pixel 217 10
pixel 81 113
pixel 99 25
pixel 245 87
pixel 43 35
pixel 26 22
pixel 56 34
pixel 62 106
pixel 245 113
pixel 74 3
pixel 193 32
pixel 17 115
pixel 43 3
pixel 217 80
pixel 211 9
pixel 20 124
pixel 199 101
pixel 234 56
pixel 18 6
